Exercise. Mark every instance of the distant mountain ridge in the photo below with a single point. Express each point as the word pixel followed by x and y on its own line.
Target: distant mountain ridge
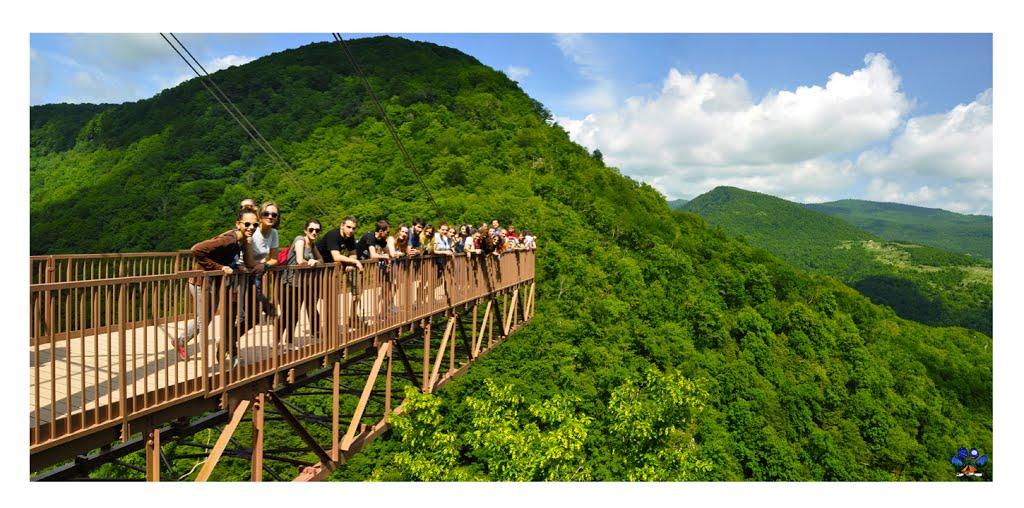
pixel 919 282
pixel 965 234
pixel 794 376
pixel 677 204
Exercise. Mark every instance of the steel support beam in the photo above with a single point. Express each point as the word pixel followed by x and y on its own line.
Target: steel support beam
pixel 153 455
pixel 222 441
pixel 354 424
pixel 257 437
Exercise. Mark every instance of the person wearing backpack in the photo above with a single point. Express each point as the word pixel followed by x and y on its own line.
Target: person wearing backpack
pixel 299 294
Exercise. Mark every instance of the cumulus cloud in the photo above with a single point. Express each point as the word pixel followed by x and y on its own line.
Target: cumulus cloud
pixel 808 181
pixel 120 67
pixel 516 73
pixel 120 50
pixel 211 66
pixel 956 144
pixel 83 82
pixel 712 121
pixel 702 131
pixel 227 61
pixel 951 151
pixel 966 197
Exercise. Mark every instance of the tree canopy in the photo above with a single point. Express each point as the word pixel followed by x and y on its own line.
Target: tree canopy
pixel 661 348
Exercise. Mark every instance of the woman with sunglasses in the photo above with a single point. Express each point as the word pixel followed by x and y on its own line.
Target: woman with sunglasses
pixel 397 249
pixel 265 247
pixel 231 253
pixel 296 295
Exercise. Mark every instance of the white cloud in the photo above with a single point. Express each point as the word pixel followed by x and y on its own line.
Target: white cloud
pixel 516 73
pixel 701 131
pixel 809 199
pixel 711 121
pixel 211 66
pixel 119 50
pixel 973 197
pixel 952 149
pixel 227 61
pixel 122 67
pixel 806 181
pixel 584 53
pixel 956 144
pixel 600 94
pixel 92 85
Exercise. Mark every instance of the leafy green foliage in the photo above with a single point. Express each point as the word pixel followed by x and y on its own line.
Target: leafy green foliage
pixel 650 428
pixel 964 234
pixel 661 348
pixel 428 453
pixel 922 283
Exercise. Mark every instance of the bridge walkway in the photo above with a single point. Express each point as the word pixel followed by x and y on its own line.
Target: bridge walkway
pixel 101 348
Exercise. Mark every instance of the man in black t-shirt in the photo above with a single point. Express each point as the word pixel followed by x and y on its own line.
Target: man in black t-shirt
pixel 374 245
pixel 339 245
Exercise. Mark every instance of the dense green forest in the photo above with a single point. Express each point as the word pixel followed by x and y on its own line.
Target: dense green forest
pixel 661 348
pixel 922 283
pixel 954 232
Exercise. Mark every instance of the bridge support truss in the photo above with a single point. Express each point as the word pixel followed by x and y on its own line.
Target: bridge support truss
pixel 447 344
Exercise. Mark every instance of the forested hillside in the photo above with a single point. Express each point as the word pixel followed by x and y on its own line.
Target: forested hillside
pixel 921 283
pixel 954 232
pixel 661 349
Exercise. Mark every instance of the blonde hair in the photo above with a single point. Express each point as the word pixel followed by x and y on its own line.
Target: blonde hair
pixel 268 204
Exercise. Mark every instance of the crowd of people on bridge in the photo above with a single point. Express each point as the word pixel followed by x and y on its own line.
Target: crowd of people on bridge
pixel 253 246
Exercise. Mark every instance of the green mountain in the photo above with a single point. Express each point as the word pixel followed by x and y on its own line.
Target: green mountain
pixel 919 282
pixel 677 204
pixel 954 232
pixel 661 349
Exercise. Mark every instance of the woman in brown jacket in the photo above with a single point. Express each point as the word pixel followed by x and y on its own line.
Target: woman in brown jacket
pixel 231 253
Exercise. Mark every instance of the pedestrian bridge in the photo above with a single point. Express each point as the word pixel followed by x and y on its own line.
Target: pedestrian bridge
pixel 103 365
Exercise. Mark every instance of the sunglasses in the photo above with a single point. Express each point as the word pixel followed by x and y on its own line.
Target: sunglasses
pixel 250 225
pixel 272 215
pixel 313 230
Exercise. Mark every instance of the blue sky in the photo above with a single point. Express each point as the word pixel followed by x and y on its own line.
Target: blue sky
pixel 808 117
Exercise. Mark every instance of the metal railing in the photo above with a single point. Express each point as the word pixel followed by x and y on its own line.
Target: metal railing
pixel 102 350
pixel 79 267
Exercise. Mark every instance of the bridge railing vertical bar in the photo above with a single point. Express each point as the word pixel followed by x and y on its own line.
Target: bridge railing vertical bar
pixel 203 324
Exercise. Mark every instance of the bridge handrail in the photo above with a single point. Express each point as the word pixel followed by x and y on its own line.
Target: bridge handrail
pixel 76 267
pixel 46 269
pixel 76 323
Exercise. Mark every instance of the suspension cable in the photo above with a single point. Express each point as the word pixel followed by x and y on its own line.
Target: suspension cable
pixel 241 119
pixel 387 123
